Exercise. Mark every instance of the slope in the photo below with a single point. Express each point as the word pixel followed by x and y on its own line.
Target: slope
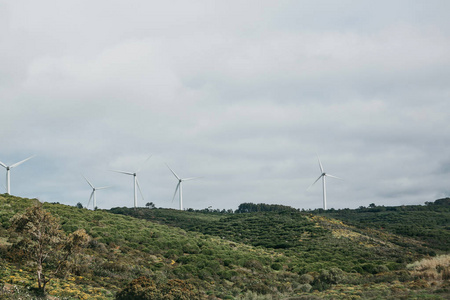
pixel 123 248
pixel 429 224
pixel 308 242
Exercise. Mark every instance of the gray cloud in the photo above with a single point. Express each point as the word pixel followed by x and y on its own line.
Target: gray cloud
pixel 243 94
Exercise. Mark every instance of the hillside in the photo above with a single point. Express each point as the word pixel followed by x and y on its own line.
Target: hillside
pixel 256 255
pixel 429 224
pixel 309 240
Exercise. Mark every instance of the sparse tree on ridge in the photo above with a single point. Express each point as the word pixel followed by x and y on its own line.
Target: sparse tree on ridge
pixel 43 241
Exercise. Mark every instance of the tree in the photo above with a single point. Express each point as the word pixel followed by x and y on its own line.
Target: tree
pixel 79 205
pixel 45 243
pixel 150 205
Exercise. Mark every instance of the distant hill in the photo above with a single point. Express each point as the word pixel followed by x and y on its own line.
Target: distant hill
pixel 429 224
pixel 311 240
pixel 255 251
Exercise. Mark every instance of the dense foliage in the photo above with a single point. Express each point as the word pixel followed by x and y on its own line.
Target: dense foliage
pixel 308 242
pixel 429 224
pixel 261 207
pixel 144 288
pixel 270 229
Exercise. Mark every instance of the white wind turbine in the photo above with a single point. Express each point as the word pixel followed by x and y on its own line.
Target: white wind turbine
pixel 136 182
pixel 180 186
pixel 8 169
pixel 94 202
pixel 323 175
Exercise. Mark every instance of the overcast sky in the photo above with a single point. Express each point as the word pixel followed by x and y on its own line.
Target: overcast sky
pixel 241 93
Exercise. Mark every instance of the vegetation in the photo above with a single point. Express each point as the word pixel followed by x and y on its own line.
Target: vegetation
pixel 146 289
pixel 308 242
pixel 256 252
pixel 43 242
pixel 429 224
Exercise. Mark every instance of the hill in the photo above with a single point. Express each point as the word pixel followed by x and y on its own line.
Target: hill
pixel 273 254
pixel 311 240
pixel 429 224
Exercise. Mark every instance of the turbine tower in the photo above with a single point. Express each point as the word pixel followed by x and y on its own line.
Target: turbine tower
pixel 324 187
pixel 94 202
pixel 8 168
pixel 136 182
pixel 180 186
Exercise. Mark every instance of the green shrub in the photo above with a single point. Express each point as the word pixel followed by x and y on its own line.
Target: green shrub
pixel 227 262
pixel 173 253
pixel 276 266
pixel 306 278
pixel 191 248
pixel 332 276
pixel 381 269
pixel 253 264
pixel 305 287
pixel 144 288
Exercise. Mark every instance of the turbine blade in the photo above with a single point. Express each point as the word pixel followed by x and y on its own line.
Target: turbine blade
pixel 186 179
pixel 21 162
pixel 88 182
pixel 176 189
pixel 123 172
pixel 139 188
pixel 92 194
pixel 3 165
pixel 328 175
pixel 314 182
pixel 320 164
pixel 142 165
pixel 173 172
pixel 104 187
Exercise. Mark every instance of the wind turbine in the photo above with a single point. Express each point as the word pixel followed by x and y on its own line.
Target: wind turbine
pixel 8 168
pixel 323 175
pixel 180 186
pixel 136 182
pixel 94 202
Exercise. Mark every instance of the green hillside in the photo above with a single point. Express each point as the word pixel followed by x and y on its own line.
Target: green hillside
pixel 429 224
pixel 309 242
pixel 272 253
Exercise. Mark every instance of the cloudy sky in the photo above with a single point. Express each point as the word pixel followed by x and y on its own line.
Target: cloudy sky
pixel 241 93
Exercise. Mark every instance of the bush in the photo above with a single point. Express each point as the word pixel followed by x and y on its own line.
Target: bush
pixel 381 269
pixel 446 274
pixel 144 288
pixel 191 248
pixel 276 266
pixel 305 287
pixel 176 289
pixel 253 264
pixel 306 278
pixel 332 276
